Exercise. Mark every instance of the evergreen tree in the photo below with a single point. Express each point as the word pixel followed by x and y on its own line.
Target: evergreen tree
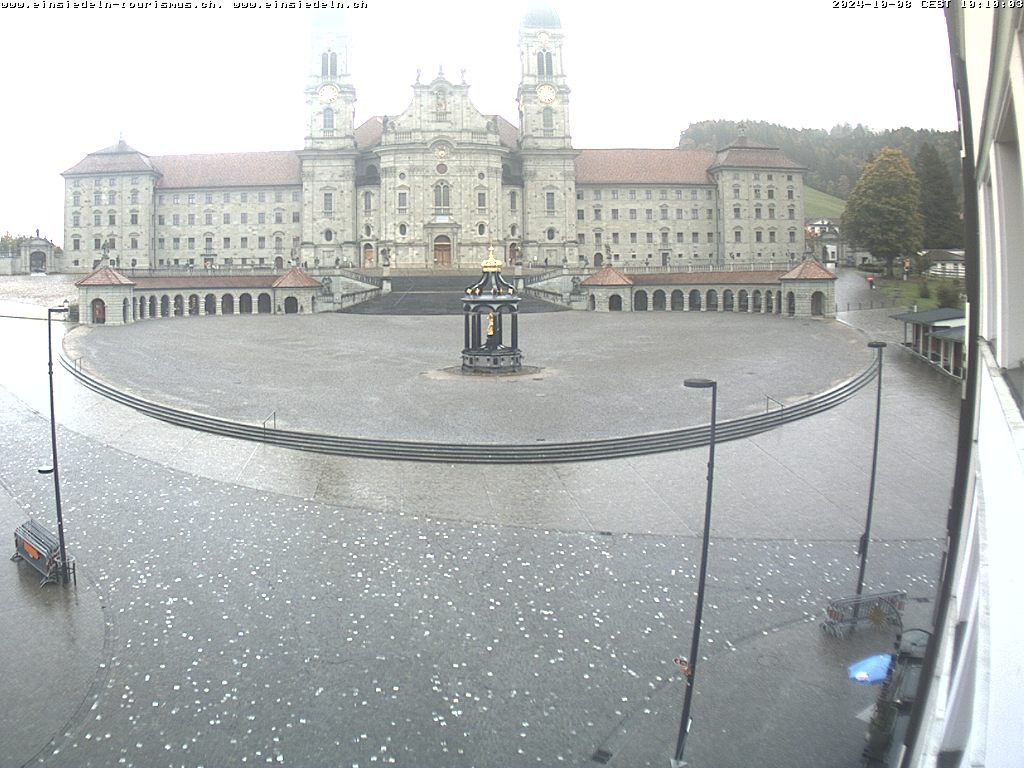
pixel 882 212
pixel 939 214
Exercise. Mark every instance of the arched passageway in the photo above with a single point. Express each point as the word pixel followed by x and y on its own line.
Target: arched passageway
pixel 291 305
pixel 99 312
pixel 615 303
pixel 245 304
pixel 658 300
pixel 640 301
pixel 263 304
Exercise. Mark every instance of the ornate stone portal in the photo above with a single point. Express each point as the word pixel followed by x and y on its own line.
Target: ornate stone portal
pixel 485 308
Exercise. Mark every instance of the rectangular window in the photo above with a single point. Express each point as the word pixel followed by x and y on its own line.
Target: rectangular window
pixel 632 214
pixel 771 194
pixel 112 198
pixel 97 244
pixel 175 219
pixel 735 193
pixel 261 242
pixel 597 238
pixel 243 197
pixel 278 217
pixel 209 198
pixel 650 237
pixel 597 214
pixel 711 213
pixel 647 194
pixel 403 201
pixel 191 198
pixel 663 194
pixel 208 218
pixel 227 218
pixel 615 214
pixel 711 237
pixel 632 237
pixel 226 198
pixel 227 243
pixel 243 242
pixel 615 194
pixel 160 244
pixel 176 243
pixel 243 218
pixel 694 237
pixel 208 244
pixel 97 198
pixel 632 194
pixel 481 201
pixel 261 218
pixel 579 214
pixel 737 236
pixel 76 244
pixel 792 236
pixel 579 192
pixel 295 195
pixel 758 236
pixel 597 194
pixel 695 213
pixel 513 201
pixel 664 213
pixel 295 217
pixel 97 219
pixel 680 238
pixel 192 243
pixel 615 238
pixel 191 219
pixel 649 214
pixel 278 196
pixel 736 212
pixel 789 194
pixel 549 198
pixel 581 238
pixel 664 238
pixel 133 218
pixel 261 197
pixel 771 237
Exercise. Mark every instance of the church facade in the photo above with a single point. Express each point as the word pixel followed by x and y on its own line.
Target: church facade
pixel 434 186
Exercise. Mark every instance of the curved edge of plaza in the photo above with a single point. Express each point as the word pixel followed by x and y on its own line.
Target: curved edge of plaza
pixel 485 453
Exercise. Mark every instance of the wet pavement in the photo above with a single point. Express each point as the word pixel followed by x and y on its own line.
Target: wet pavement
pixel 263 606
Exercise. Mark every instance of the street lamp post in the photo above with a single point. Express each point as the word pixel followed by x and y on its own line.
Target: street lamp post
pixel 862 549
pixel 53 444
pixel 691 666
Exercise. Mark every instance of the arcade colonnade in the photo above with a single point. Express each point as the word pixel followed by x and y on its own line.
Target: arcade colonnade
pixel 106 297
pixel 806 291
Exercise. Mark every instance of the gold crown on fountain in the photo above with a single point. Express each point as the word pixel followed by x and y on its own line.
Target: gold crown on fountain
pixel 491 263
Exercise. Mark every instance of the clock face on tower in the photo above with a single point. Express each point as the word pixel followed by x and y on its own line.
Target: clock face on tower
pixel 328 93
pixel 546 93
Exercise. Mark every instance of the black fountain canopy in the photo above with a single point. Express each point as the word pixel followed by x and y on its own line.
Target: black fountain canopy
pixel 491 283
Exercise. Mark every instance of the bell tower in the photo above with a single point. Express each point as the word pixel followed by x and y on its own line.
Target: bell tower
pixel 329 157
pixel 549 161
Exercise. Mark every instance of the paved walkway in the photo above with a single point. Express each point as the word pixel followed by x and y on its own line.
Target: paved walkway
pixel 268 606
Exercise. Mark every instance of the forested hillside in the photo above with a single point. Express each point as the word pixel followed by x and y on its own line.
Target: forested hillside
pixel 835 158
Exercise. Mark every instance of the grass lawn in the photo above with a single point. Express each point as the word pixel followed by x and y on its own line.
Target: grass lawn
pixel 908 291
pixel 818 205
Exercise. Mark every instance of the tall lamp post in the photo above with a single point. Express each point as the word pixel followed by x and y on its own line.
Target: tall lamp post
pixel 862 549
pixel 691 666
pixel 53 443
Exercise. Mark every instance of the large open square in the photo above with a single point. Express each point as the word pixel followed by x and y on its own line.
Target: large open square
pixel 244 603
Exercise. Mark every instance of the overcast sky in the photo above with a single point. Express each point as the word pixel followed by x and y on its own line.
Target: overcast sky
pixel 181 81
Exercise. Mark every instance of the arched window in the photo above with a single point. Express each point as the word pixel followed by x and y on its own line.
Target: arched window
pixel 442 198
pixel 334 64
pixel 480 229
pixel 323 64
pixel 328 119
pixel 328 235
pixel 367 202
pixel 544 64
pixel 278 243
pixel 548 117
pixel 551 233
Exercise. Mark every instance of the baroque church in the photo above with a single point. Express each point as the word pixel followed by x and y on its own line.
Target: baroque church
pixel 435 186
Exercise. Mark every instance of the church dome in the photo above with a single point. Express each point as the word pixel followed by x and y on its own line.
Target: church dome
pixel 541 16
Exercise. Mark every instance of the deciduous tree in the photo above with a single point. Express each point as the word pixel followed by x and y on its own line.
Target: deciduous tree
pixel 882 213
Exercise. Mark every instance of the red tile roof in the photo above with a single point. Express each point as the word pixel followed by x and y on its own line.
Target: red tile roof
pixel 744 153
pixel 105 276
pixel 119 158
pixel 707 278
pixel 241 169
pixel 607 276
pixel 808 270
pixel 211 280
pixel 643 166
pixel 296 278
pixel 368 134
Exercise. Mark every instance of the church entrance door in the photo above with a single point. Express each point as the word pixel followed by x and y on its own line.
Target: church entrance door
pixel 442 251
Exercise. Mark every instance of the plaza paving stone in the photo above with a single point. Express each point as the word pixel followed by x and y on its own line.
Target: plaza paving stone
pixel 269 607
